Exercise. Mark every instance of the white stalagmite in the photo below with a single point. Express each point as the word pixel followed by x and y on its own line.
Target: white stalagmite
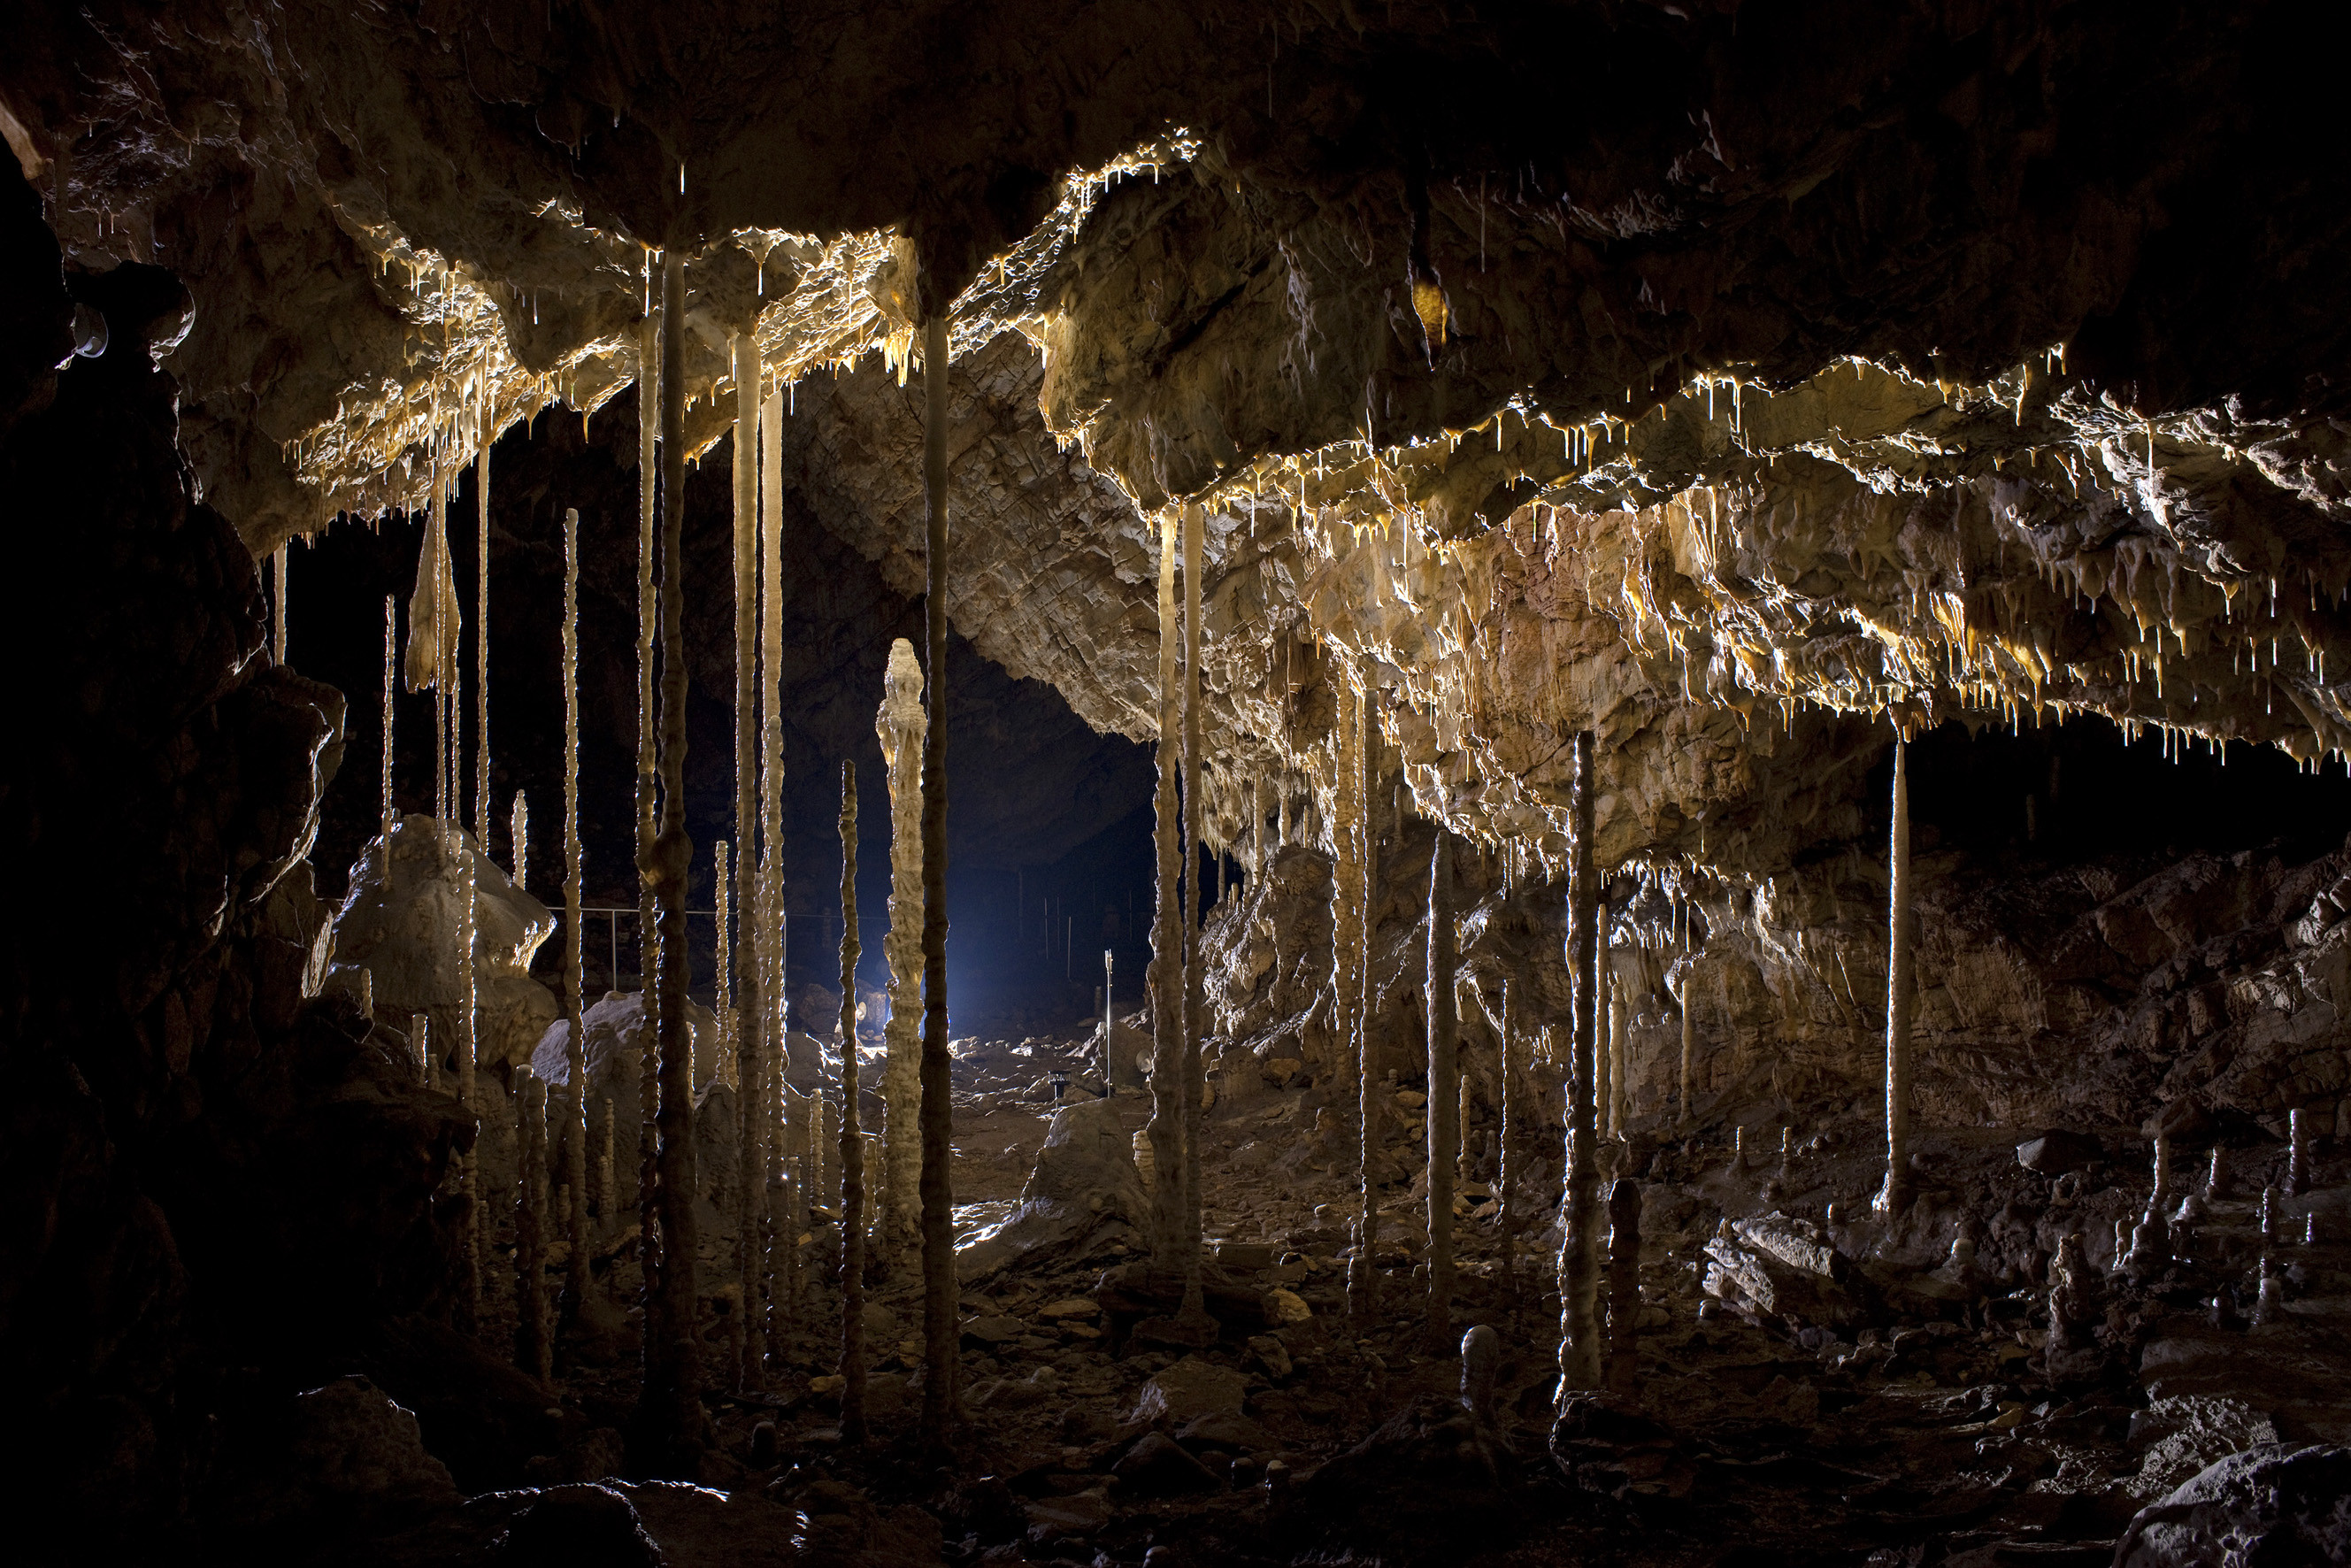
pixel 743 955
pixel 468 1042
pixel 1604 1058
pixel 901 722
pixel 1362 1273
pixel 1165 1130
pixel 518 837
pixel 764 1099
pixel 1894 1196
pixel 648 770
pixel 1193 1310
pixel 730 1026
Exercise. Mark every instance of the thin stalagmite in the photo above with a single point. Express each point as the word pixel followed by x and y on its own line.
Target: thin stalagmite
pixel 470 1182
pixel 1579 1252
pixel 852 1138
pixel 741 969
pixel 280 565
pixel 1620 1055
pixel 648 794
pixel 1509 1168
pixel 722 1000
pixel 575 1039
pixel 939 1291
pixel 1604 1056
pixel 518 839
pixel 391 654
pixel 1193 1310
pixel 1894 1197
pixel 900 724
pixel 761 1098
pixel 1346 925
pixel 1164 978
pixel 1624 1288
pixel 533 1347
pixel 1444 1094
pixel 1371 1101
pixel 1689 1030
pixel 482 652
pixel 671 1409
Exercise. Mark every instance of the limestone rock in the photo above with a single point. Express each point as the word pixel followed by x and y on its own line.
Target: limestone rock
pixel 617 1040
pixel 401 922
pixel 1187 1389
pixel 2266 1505
pixel 353 1448
pixel 1084 1176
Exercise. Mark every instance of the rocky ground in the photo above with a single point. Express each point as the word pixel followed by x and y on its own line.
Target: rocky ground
pixel 1815 1386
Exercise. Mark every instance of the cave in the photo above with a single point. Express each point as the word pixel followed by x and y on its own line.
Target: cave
pixel 1154 787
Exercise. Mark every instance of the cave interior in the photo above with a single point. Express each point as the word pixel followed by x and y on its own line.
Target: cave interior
pixel 1465 797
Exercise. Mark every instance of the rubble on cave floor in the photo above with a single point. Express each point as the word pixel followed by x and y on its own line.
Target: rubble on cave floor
pixel 1816 1384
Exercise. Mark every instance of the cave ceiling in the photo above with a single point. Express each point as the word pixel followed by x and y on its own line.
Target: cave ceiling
pixel 1728 379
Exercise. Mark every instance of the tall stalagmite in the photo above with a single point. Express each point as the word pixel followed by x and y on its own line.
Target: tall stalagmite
pixel 280 565
pixel 939 1332
pixel 1346 924
pixel 534 1347
pixel 1444 1096
pixel 575 1041
pixel 468 1044
pixel 853 1136
pixel 1164 978
pixel 482 650
pixel 749 1017
pixel 390 654
pixel 1362 1273
pixel 1579 1252
pixel 671 1409
pixel 1894 1196
pixel 1195 788
pixel 897 1231
pixel 765 1100
pixel 1510 1165
pixel 648 800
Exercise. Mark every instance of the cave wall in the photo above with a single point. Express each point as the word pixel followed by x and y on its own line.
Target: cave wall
pixel 216 1183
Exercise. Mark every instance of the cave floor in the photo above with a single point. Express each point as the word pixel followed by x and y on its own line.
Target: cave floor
pixel 1919 1417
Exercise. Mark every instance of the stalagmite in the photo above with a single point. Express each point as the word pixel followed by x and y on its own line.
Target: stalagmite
pixel 2297 1168
pixel 1620 1056
pixel 1604 1057
pixel 648 798
pixel 575 1039
pixel 739 968
pixel 1624 1288
pixel 280 564
pixel 852 1138
pixel 1579 1252
pixel 762 1102
pixel 519 838
pixel 1510 1164
pixel 1894 1196
pixel 1261 846
pixel 1194 1312
pixel 671 1410
pixel 1362 1271
pixel 721 883
pixel 468 1042
pixel 901 725
pixel 1689 1034
pixel 482 654
pixel 1164 1131
pixel 939 1293
pixel 386 814
pixel 533 1347
pixel 1444 1095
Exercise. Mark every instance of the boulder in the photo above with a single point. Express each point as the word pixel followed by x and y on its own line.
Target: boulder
pixel 1084 1176
pixel 617 1038
pixel 400 919
pixel 580 1527
pixel 352 1448
pixel 1156 1466
pixel 1188 1389
pixel 1777 1267
pixel 2267 1505
pixel 2053 1154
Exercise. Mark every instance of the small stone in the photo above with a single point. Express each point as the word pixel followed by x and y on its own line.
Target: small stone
pixel 1283 1308
pixel 829 1384
pixel 1069 1307
pixel 1157 1466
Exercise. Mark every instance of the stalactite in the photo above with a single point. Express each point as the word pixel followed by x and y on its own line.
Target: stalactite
pixel 1262 849
pixel 740 967
pixel 648 797
pixel 482 654
pixel 761 1100
pixel 940 1335
pixel 575 1041
pixel 1579 1252
pixel 533 1347
pixel 1894 1196
pixel 1165 1130
pixel 671 1409
pixel 1193 1310
pixel 852 1139
pixel 391 654
pixel 1362 1273
pixel 901 725
pixel 1444 1091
